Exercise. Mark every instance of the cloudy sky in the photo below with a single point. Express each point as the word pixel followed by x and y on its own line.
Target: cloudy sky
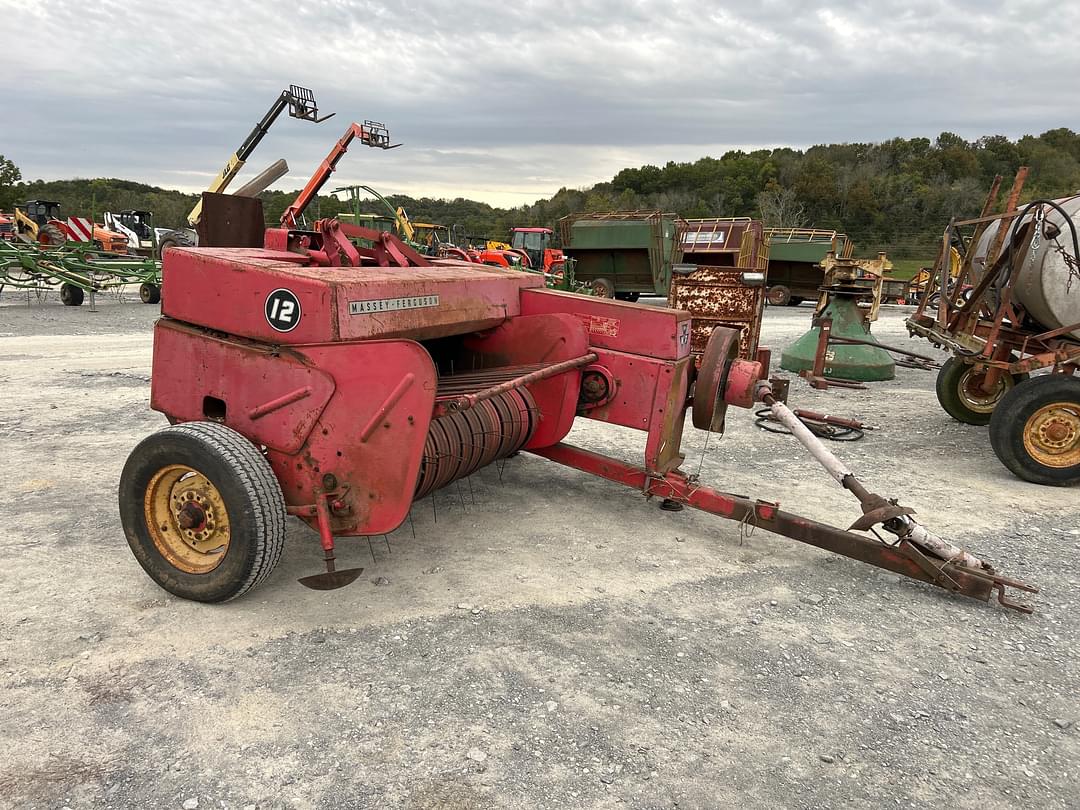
pixel 508 101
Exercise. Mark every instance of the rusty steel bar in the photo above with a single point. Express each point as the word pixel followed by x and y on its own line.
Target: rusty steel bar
pixel 858 342
pixel 467 401
pixel 838 421
pixel 903 558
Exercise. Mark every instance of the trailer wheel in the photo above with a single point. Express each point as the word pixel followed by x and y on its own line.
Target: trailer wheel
pixel 149 293
pixel 70 295
pixel 603 288
pixel 778 296
pixel 962 398
pixel 1036 431
pixel 202 511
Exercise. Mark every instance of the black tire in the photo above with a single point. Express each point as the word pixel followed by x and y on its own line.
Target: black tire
pixel 70 295
pixel 778 296
pixel 958 393
pixel 631 297
pixel 149 293
pixel 603 288
pixel 1019 416
pixel 165 245
pixel 795 301
pixel 248 488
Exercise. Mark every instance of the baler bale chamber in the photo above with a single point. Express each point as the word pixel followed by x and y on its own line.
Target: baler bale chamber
pixel 338 384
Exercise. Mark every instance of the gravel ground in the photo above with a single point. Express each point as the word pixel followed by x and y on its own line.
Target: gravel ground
pixel 545 640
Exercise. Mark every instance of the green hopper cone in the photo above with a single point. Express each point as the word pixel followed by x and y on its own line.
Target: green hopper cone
pixel 851 362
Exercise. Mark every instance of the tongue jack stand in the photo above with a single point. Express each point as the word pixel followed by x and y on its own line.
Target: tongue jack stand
pixel 332 578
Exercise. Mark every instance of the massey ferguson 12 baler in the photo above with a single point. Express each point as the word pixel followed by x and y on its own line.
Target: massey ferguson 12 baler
pixel 341 384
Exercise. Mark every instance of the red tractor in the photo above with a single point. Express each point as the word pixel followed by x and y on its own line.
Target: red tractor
pixel 7 227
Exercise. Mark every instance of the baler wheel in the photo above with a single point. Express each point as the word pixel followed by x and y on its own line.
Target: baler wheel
pixel 1035 431
pixel 958 391
pixel 202 511
pixel 70 295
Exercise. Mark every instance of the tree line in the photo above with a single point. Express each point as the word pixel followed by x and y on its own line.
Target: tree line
pixel 896 195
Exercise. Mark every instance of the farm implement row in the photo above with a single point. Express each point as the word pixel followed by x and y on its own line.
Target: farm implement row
pixel 74 271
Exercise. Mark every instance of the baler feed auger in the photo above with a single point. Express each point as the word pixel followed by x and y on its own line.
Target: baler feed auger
pixel 339 384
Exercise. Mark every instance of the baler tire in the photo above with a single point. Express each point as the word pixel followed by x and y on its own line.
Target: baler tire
pixel 603 288
pixel 1018 443
pixel 778 296
pixel 70 295
pixel 149 293
pixel 952 381
pixel 239 475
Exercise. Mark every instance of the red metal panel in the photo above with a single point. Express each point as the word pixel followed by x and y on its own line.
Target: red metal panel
pixel 623 327
pixel 227 289
pixel 541 338
pixel 358 412
pixel 370 436
pixel 272 398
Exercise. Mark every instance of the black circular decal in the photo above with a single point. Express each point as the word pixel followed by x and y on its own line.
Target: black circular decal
pixel 282 310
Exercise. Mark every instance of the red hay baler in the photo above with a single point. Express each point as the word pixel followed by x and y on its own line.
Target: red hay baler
pixel 340 384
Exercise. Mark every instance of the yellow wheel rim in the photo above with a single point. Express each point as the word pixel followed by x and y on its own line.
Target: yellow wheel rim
pixel 972 394
pixel 1052 435
pixel 187 519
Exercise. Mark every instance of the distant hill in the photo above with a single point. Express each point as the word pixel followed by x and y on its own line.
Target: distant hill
pixel 896 196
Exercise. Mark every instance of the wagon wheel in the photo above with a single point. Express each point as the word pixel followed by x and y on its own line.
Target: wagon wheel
pixel 778 296
pixel 202 511
pixel 1036 431
pixel 959 390
pixel 603 288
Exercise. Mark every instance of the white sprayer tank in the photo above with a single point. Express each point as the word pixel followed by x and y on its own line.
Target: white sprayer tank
pixel 1047 286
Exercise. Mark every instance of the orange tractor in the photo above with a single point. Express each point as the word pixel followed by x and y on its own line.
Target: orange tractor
pixel 535 243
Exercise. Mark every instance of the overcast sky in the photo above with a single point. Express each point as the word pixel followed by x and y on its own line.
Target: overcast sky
pixel 508 101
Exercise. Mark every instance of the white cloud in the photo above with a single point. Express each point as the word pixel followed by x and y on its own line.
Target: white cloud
pixel 508 102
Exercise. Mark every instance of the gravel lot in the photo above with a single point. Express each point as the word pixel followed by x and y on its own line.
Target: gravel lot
pixel 546 640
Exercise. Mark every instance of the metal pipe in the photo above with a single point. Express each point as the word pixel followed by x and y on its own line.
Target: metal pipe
pixel 901 525
pixel 467 401
pixel 263 180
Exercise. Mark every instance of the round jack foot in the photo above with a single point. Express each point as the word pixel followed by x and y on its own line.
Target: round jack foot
pixel 669 505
